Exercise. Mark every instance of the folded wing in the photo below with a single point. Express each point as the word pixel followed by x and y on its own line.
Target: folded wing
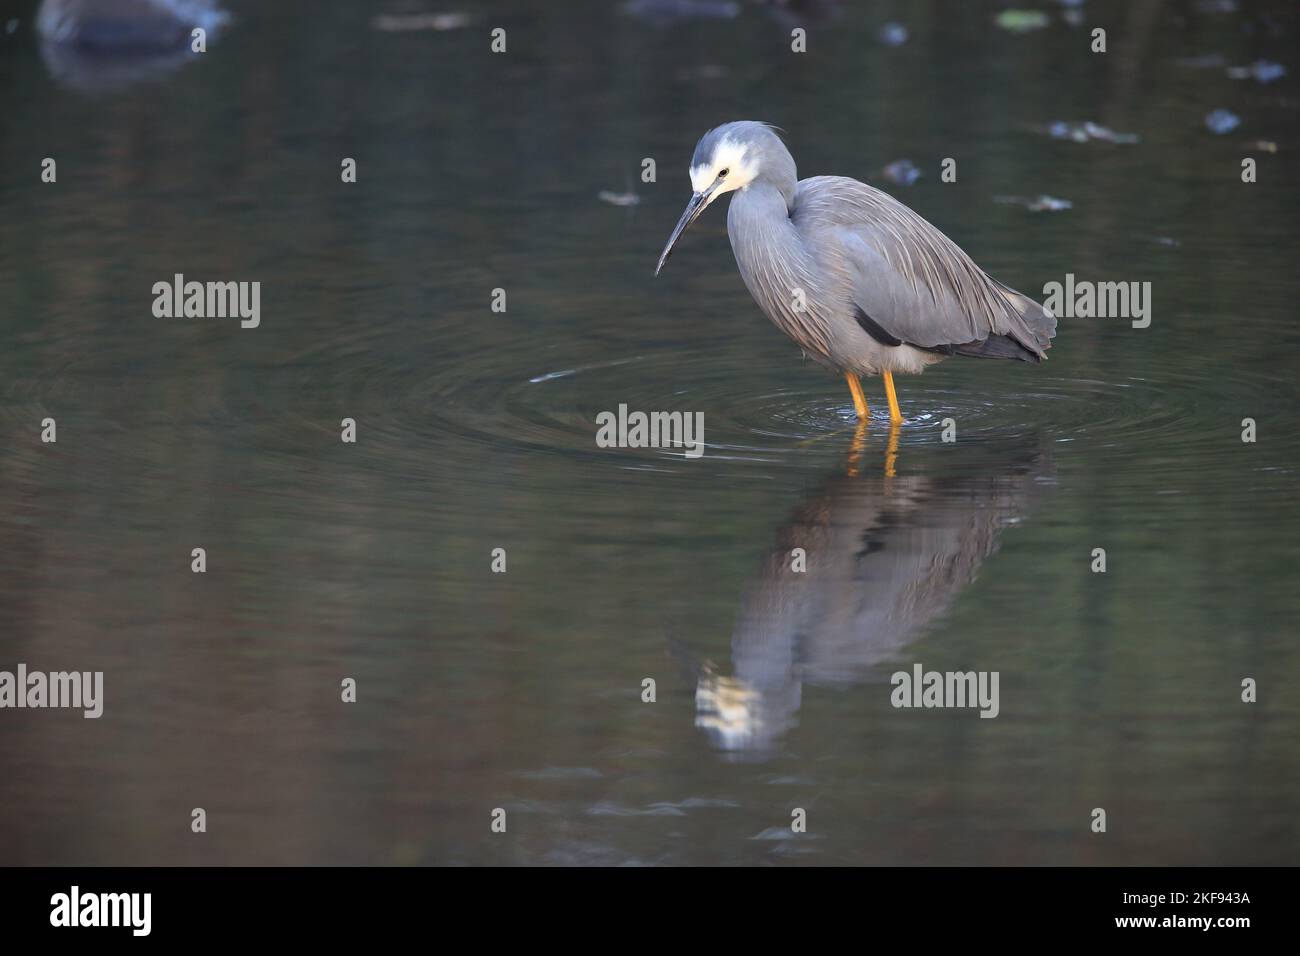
pixel 915 285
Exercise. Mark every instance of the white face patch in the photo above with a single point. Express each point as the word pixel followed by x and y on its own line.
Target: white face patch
pixel 728 155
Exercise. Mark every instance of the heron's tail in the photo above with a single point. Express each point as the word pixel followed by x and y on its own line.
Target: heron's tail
pixel 999 346
pixel 1028 330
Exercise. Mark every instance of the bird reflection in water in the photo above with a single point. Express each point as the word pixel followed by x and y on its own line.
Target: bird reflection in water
pixel 886 555
pixel 97 46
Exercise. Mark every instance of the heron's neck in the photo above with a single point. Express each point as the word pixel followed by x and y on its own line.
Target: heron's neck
pixel 782 186
pixel 762 234
pixel 764 200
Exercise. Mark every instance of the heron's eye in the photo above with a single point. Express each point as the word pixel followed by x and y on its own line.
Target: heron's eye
pixel 722 173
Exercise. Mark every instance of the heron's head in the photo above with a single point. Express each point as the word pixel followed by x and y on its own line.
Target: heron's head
pixel 727 159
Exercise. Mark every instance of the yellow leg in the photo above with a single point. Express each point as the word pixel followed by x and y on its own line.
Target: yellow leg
pixel 859 400
pixel 895 415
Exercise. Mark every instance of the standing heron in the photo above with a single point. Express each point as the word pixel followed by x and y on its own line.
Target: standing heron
pixel 861 283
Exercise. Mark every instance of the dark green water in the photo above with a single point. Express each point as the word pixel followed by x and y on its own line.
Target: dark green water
pixel 476 431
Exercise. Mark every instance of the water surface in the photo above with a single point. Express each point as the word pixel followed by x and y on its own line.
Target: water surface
pixel 476 431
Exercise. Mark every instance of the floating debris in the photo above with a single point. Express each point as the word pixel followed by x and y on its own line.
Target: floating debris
pixel 1162 241
pixel 1263 145
pixel 672 11
pixel 129 30
pixel 1221 121
pixel 11 26
pixel 619 199
pixel 1202 61
pixel 95 48
pixel 559 773
pixel 1087 131
pixel 775 833
pixel 607 808
pixel 1073 12
pixel 551 376
pixel 1022 21
pixel 901 172
pixel 1042 203
pixel 892 34
pixel 1262 71
pixel 1217 6
pixel 406 23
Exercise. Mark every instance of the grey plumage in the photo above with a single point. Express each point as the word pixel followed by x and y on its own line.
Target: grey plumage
pixel 859 281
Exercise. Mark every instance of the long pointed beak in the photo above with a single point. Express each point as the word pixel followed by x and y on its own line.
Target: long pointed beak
pixel 697 205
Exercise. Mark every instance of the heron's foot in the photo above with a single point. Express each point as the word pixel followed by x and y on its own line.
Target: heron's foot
pixel 859 399
pixel 895 416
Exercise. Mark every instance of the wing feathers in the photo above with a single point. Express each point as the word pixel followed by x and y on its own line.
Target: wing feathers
pixel 912 282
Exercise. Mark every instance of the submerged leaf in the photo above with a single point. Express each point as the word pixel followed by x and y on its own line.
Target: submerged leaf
pixel 1022 21
pixel 902 172
pixel 892 34
pixel 1086 131
pixel 405 23
pixel 1043 203
pixel 618 199
pixel 1262 71
pixel 1222 121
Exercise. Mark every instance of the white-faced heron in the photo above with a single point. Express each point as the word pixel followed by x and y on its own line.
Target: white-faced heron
pixel 860 282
